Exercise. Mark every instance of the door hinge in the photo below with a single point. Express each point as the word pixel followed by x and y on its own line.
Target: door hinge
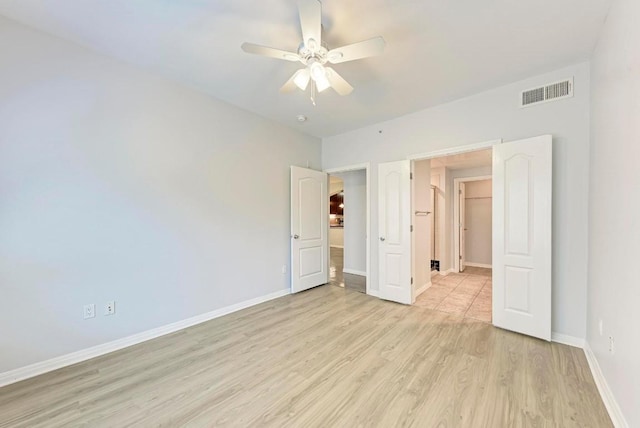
pixel 411 228
pixel 459 192
pixel 411 280
pixel 411 176
pixel 460 257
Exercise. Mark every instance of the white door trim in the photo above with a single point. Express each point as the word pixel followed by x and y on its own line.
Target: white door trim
pixel 455 150
pixel 357 167
pixel 456 214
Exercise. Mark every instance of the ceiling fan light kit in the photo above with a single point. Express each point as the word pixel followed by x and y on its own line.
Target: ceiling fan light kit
pixel 315 55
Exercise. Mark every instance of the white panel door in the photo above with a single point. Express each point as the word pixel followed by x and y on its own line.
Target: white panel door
pixel 522 236
pixel 394 214
pixel 462 224
pixel 309 228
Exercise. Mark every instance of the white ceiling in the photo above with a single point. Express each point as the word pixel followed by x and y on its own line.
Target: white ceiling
pixel 476 159
pixel 436 50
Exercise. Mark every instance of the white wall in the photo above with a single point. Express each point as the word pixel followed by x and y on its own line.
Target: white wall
pixel 119 185
pixel 355 221
pixel 478 221
pixel 421 242
pixel 614 206
pixel 336 237
pixel 488 116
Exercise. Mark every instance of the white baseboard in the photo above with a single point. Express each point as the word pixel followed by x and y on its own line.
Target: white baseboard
pixel 354 272
pixel 42 367
pixel 565 339
pixel 374 293
pixel 423 288
pixel 446 272
pixel 480 265
pixel 336 246
pixel 615 413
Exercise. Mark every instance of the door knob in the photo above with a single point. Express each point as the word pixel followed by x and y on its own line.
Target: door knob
pixel 381 239
pixel 295 236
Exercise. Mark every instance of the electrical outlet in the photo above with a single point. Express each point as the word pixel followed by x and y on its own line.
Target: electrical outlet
pixel 89 311
pixel 600 327
pixel 612 349
pixel 110 308
pixel 284 269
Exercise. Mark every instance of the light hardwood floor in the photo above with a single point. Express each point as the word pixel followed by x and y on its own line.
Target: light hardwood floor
pixel 340 279
pixel 326 357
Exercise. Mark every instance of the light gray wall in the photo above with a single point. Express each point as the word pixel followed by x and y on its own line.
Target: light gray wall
pixel 478 221
pixel 614 206
pixel 487 116
pixel 119 185
pixel 355 220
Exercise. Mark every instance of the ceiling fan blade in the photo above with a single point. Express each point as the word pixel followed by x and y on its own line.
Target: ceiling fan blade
pixel 311 23
pixel 340 85
pixel 355 51
pixel 270 52
pixel 300 79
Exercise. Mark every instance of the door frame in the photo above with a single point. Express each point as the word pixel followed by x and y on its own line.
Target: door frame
pixel 367 170
pixel 455 151
pixel 456 215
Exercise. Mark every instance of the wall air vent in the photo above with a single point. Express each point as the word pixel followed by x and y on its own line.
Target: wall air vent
pixel 543 94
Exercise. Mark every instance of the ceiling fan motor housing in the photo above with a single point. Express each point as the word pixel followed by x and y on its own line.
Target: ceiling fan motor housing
pixel 319 53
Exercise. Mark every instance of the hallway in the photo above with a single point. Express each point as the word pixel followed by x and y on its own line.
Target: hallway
pixel 344 280
pixel 466 294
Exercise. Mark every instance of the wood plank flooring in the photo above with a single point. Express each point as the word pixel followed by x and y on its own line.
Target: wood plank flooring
pixel 326 357
pixel 340 279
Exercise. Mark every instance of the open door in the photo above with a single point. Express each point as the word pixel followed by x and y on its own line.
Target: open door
pixel 309 228
pixel 462 224
pixel 394 214
pixel 421 214
pixel 522 236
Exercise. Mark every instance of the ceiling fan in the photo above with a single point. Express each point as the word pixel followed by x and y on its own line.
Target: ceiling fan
pixel 315 55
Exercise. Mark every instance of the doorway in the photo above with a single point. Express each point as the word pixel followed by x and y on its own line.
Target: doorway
pixel 472 213
pixel 522 202
pixel 348 225
pixel 454 192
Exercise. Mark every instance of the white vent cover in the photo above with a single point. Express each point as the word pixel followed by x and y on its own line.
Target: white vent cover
pixel 543 94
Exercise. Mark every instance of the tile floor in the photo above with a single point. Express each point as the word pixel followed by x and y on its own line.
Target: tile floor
pixel 341 279
pixel 466 294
